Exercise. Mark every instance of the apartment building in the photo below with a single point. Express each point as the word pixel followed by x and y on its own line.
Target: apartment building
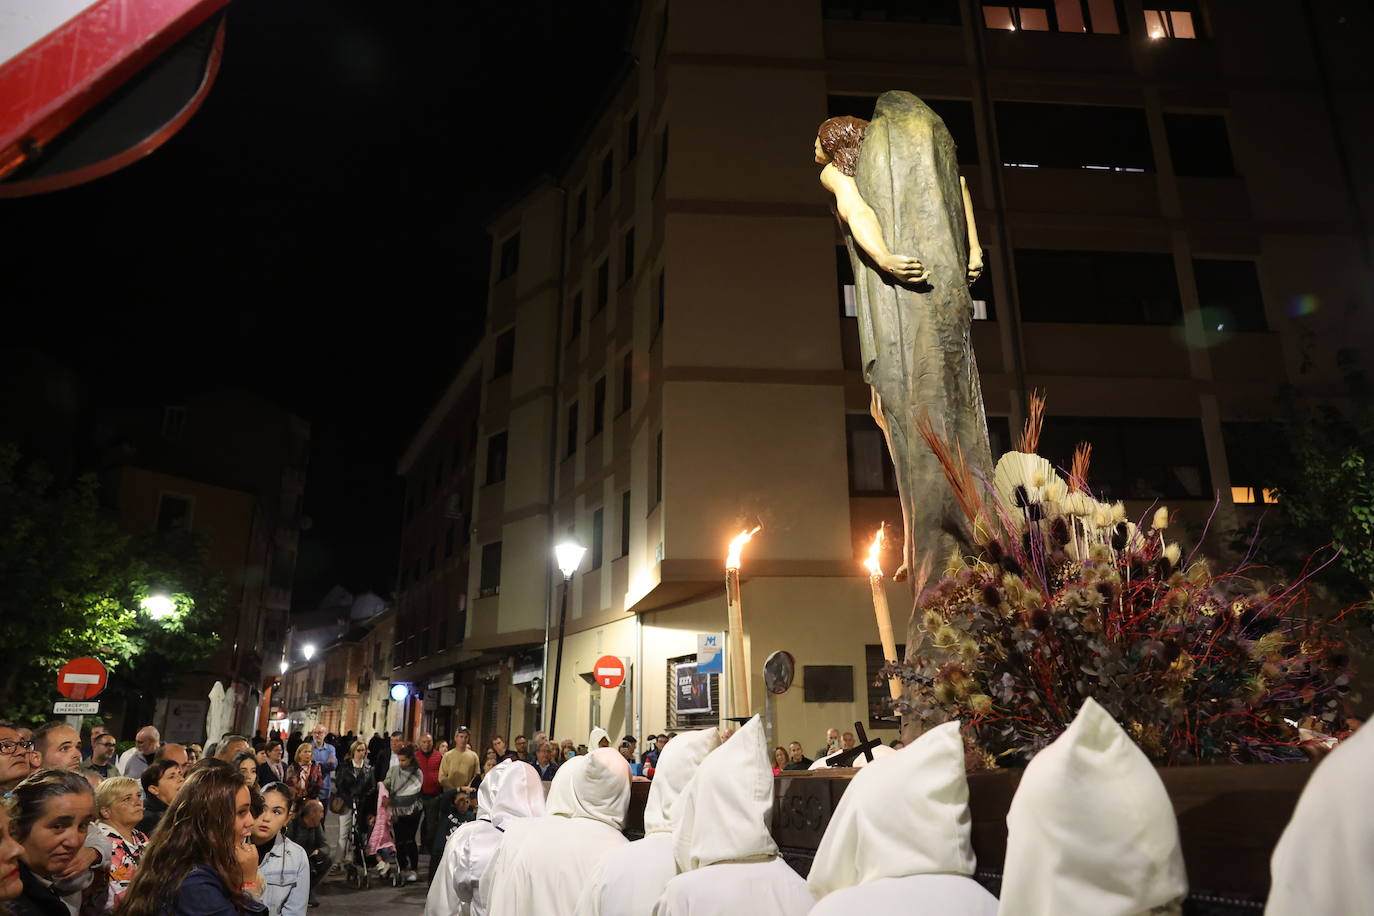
pixel 1175 222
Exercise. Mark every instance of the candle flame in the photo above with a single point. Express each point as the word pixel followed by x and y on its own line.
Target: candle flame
pixel 875 550
pixel 737 547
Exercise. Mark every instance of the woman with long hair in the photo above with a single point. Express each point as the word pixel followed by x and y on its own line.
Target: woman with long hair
pixel 780 759
pixel 304 775
pixel 50 811
pixel 404 782
pixel 119 809
pixel 284 865
pixel 246 762
pixel 11 884
pixel 200 860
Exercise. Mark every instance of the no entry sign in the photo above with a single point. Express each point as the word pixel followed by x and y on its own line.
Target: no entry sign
pixel 82 678
pixel 610 671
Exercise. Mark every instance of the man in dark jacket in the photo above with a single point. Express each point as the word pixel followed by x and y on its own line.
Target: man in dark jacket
pixel 161 782
pixel 796 760
pixel 543 761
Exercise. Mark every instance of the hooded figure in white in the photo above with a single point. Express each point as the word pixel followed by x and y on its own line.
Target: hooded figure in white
pixel 900 839
pixel 512 790
pixel 629 880
pixel 1323 861
pixel 727 858
pixel 544 863
pixel 596 737
pixel 1091 830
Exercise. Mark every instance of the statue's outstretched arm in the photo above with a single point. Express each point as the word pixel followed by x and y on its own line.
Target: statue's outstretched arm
pixel 863 225
pixel 975 250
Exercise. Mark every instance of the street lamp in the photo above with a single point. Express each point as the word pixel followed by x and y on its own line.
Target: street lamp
pixel 569 555
pixel 283 666
pixel 159 606
pixel 308 650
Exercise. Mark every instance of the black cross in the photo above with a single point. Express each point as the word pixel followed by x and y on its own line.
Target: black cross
pixel 865 747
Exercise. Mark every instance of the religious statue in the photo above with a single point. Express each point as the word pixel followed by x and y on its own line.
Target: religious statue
pixel 908 224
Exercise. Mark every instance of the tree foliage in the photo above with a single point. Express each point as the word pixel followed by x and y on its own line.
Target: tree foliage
pixel 73 584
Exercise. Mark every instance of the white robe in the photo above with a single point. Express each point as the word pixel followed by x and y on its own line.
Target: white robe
pixel 544 863
pixel 629 880
pixel 900 839
pixel 1324 862
pixel 512 790
pixel 726 857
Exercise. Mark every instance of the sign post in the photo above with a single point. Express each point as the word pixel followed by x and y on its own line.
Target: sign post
pixel 80 680
pixel 609 671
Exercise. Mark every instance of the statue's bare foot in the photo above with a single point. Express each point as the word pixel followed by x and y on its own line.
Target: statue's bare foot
pixel 901 574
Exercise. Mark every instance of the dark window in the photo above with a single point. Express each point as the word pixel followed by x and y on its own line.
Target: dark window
pixel 441 642
pixel 603 284
pixel 598 407
pixel 1097 287
pixel 828 683
pixel 1228 294
pixel 627 377
pixel 625 524
pixel 984 307
pixel 844 277
pixel 598 538
pixel 607 173
pixel 173 420
pixel 496 458
pixel 1174 19
pixel 1134 457
pixel 631 138
pixel 572 428
pixel 658 469
pixel 932 12
pixel 660 302
pixel 870 466
pixel 575 318
pixel 510 256
pixel 1199 145
pixel 503 357
pixel 880 714
pixel 1054 16
pixel 1255 465
pixel 1052 136
pixel 490 582
pixel 173 512
pixel 448 542
pixel 580 211
pixel 433 551
pixel 956 113
pixel 629 267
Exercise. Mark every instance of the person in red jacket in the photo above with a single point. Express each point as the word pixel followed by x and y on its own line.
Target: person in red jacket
pixel 428 758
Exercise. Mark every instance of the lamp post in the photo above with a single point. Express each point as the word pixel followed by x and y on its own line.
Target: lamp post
pixel 159 606
pixel 569 555
pixel 308 650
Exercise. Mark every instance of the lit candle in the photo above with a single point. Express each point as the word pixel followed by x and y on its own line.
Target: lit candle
pixel 739 674
pixel 880 610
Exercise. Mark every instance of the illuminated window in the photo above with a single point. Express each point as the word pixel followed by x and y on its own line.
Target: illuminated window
pixel 1170 23
pixel 1242 495
pixel 1098 16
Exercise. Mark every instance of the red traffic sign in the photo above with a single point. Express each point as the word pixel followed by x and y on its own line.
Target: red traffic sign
pixel 610 671
pixel 82 678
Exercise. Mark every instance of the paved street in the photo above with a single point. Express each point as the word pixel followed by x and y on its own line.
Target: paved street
pixel 336 896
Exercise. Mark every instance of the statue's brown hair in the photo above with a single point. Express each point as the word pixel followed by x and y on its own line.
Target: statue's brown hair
pixel 840 139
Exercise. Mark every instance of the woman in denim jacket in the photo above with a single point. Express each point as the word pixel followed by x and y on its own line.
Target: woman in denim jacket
pixel 283 865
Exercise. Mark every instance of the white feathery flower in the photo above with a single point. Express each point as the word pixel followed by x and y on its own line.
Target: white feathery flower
pixel 1161 519
pixel 1173 552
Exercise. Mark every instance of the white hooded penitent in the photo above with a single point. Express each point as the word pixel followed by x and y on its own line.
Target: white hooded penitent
pixel 630 879
pixel 1091 830
pixel 511 791
pixel 544 863
pixel 899 840
pixel 596 737
pixel 1324 862
pixel 727 856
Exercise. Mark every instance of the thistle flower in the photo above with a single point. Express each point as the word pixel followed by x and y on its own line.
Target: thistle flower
pixel 1199 573
pixel 1266 645
pixel 991 596
pixel 932 620
pixel 980 702
pixel 1079 504
pixel 994 551
pixel 1161 519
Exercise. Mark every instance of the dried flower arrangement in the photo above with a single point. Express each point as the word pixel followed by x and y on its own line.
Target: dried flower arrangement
pixel 1067 598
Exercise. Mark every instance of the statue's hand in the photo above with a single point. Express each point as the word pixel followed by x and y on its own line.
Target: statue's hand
pixel 975 266
pixel 908 270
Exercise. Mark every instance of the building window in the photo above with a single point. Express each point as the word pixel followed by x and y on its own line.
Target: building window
pixel 956 113
pixel 930 12
pixel 603 284
pixel 575 318
pixel 1199 145
pixel 572 429
pixel 658 469
pixel 496 458
pixel 1228 295
pixel 490 582
pixel 631 138
pixel 1249 457
pixel 1097 287
pixel 598 538
pixel 1098 16
pixel 1095 137
pixel 1174 20
pixel 629 267
pixel 173 511
pixel 627 376
pixel 660 303
pixel 503 355
pixel 625 524
pixel 441 634
pixel 580 211
pixel 1134 457
pixel 448 542
pixel 984 307
pixel 598 407
pixel 510 257
pixel 173 420
pixel 870 466
pixel 844 276
pixel 607 174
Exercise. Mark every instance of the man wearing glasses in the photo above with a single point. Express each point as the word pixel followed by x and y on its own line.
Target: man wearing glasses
pixel 14 757
pixel 101 762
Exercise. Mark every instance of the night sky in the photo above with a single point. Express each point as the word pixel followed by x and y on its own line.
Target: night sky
pixel 313 234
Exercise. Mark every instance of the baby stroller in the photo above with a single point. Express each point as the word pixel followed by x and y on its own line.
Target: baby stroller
pixel 382 844
pixel 356 868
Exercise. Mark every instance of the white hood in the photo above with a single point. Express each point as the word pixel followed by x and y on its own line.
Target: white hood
pixel 594 739
pixel 595 786
pixel 860 762
pixel 511 790
pixel 1322 862
pixel 903 815
pixel 677 764
pixel 1091 830
pixel 723 814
